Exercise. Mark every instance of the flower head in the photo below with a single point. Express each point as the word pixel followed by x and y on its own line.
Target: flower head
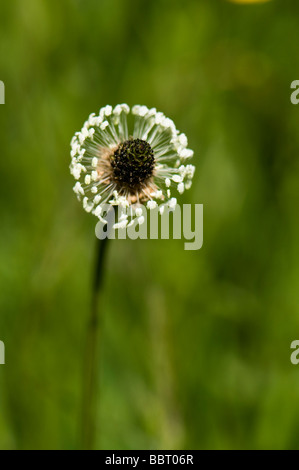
pixel 118 167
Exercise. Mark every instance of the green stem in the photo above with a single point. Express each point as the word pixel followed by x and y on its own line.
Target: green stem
pixel 91 363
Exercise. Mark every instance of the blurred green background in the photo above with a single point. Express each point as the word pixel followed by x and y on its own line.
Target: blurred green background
pixel 195 349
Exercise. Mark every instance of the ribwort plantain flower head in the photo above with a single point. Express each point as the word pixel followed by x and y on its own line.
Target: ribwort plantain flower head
pixel 115 165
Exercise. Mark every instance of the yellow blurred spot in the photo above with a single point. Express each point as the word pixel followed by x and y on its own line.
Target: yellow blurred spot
pixel 248 1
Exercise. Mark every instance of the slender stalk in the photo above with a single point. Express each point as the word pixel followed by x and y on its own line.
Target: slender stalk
pixel 91 363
